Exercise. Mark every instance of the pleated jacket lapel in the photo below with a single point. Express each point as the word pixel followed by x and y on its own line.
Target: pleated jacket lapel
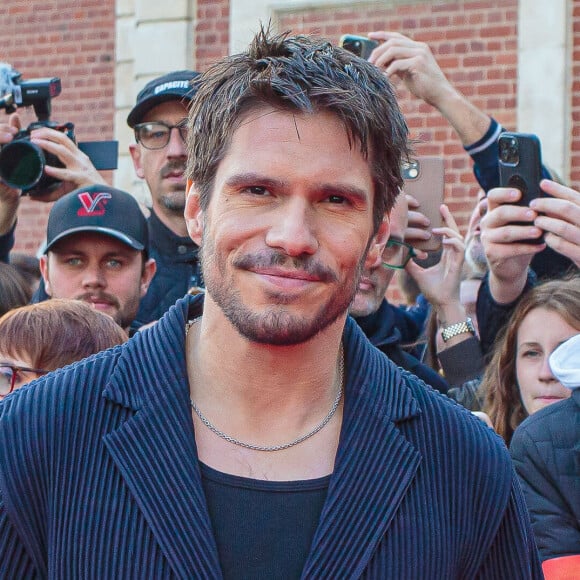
pixel 155 449
pixel 155 453
pixel 374 466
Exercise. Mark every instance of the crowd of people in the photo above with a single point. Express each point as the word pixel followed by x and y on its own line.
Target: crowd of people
pixel 200 388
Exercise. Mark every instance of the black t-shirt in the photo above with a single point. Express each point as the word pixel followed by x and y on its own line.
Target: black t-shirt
pixel 263 529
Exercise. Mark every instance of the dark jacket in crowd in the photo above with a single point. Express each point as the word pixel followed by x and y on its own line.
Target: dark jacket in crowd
pixel 6 245
pixel 492 317
pixel 463 367
pixel 546 453
pixel 177 270
pixel 391 327
pixel 104 480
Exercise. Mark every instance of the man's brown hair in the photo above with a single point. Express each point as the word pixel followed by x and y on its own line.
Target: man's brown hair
pixel 301 74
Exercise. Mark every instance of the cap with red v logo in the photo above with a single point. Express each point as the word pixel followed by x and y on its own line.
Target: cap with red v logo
pixel 98 209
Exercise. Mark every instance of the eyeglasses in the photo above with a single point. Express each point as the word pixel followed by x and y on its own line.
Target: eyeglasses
pixel 397 254
pixel 11 377
pixel 156 135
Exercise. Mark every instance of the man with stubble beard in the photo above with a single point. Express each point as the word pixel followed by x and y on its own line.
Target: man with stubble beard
pixel 97 251
pixel 159 156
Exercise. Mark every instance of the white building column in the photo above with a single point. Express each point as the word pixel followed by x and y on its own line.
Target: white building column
pixel 544 77
pixel 246 15
pixel 153 38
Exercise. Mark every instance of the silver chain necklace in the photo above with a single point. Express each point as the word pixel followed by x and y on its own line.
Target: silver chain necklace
pixel 300 439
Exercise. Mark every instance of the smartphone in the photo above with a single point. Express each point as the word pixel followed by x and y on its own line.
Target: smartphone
pixel 520 166
pixel 359 45
pixel 425 180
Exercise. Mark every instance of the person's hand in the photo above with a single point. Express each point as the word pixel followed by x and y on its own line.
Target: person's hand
pixel 9 197
pixel 440 283
pixel 559 218
pixel 417 229
pixel 505 244
pixel 78 170
pixel 414 63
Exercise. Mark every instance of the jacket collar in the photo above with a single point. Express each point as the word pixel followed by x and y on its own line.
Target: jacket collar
pixel 380 326
pixel 374 464
pixel 137 378
pixel 155 451
pixel 165 242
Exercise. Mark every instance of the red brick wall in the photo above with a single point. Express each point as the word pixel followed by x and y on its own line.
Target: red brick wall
pixel 74 40
pixel 474 41
pixel 211 32
pixel 475 44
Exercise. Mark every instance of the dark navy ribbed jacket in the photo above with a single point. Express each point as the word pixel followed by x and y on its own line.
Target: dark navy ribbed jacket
pixel 99 476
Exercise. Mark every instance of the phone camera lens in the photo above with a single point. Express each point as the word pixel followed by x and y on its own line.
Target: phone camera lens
pixel 509 150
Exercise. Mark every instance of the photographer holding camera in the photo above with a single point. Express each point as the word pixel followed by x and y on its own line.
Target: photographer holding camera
pixel 42 160
pixel 78 171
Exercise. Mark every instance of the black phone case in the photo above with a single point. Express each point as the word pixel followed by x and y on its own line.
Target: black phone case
pixel 525 171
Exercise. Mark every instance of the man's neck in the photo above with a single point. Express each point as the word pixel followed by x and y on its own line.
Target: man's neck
pixel 265 395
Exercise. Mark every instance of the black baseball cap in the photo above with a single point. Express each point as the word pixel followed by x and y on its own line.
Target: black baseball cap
pixel 100 209
pixel 172 86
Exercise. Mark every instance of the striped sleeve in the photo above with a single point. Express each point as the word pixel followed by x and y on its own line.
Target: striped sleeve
pixel 14 559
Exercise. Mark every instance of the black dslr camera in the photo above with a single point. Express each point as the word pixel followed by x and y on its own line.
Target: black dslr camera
pixel 21 161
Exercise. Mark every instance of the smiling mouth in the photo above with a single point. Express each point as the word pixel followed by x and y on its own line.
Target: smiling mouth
pixel 298 275
pixel 287 281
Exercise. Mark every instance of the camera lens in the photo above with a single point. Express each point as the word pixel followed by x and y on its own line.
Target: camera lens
pixel 509 150
pixel 21 164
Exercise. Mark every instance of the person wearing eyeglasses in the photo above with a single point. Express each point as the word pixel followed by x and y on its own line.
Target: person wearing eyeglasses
pixel 13 376
pixel 387 326
pixel 158 120
pixel 40 338
pixel 390 327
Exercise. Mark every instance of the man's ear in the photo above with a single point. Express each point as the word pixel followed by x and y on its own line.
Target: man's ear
pixel 149 269
pixel 193 213
pixel 43 264
pixel 135 152
pixel 377 244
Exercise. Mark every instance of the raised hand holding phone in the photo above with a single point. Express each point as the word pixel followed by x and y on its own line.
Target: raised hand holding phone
pixel 520 166
pixel 359 45
pixel 424 179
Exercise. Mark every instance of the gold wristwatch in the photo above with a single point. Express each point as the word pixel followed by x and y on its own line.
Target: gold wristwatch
pixel 456 329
